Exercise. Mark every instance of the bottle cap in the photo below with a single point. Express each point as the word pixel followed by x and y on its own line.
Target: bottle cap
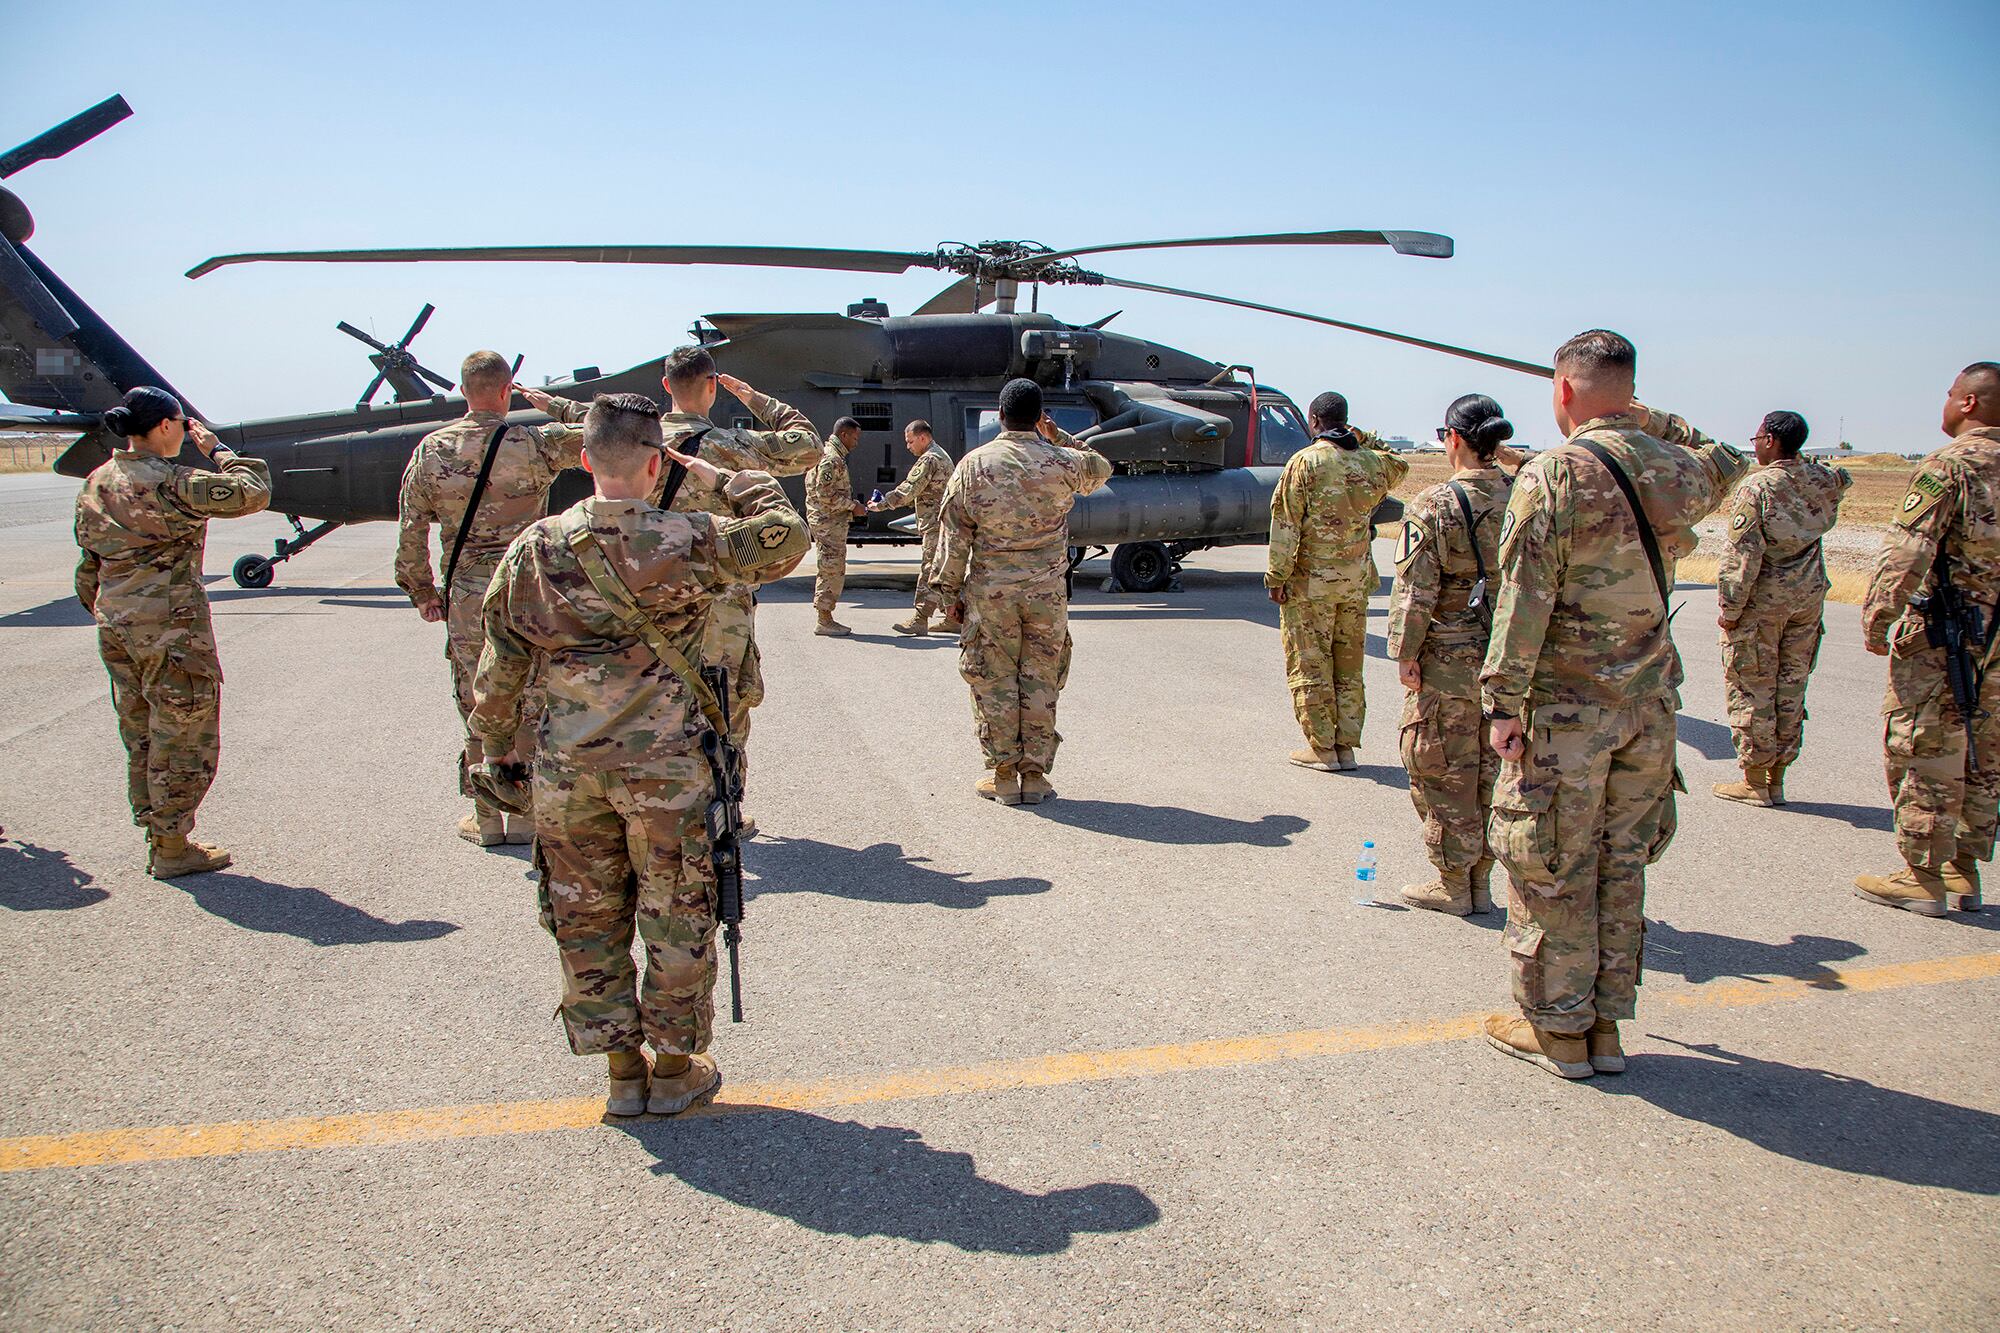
pixel 1366 843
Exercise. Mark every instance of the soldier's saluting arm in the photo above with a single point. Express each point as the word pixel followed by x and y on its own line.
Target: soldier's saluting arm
pixel 1088 468
pixel 787 445
pixel 1910 548
pixel 243 486
pixel 560 445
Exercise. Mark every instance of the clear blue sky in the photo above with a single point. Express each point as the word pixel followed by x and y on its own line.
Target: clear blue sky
pixel 1784 204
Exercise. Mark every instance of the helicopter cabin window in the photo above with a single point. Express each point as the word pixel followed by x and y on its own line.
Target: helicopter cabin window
pixel 1280 433
pixel 982 424
pixel 875 416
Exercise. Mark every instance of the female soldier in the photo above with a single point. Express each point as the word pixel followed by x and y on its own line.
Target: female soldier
pixel 1447 571
pixel 141 521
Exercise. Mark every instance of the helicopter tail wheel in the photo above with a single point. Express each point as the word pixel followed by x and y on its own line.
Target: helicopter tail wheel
pixel 1143 566
pixel 251 571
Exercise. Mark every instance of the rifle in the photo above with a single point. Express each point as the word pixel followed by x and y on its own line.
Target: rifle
pixel 725 823
pixel 1953 624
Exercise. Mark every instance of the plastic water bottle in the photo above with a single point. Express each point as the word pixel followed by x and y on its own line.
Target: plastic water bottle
pixel 875 496
pixel 1364 874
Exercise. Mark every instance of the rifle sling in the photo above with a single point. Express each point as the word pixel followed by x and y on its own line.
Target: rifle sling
pixel 676 472
pixel 626 610
pixel 1471 527
pixel 1646 537
pixel 471 508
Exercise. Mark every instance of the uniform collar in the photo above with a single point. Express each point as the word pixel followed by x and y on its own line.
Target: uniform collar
pixel 1988 433
pixel 1469 473
pixel 486 418
pixel 599 507
pixel 1616 421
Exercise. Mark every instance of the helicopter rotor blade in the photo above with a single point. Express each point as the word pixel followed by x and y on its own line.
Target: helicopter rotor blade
pixel 1470 354
pixel 72 134
pixel 374 384
pixel 433 377
pixel 353 332
pixel 767 256
pixel 423 318
pixel 1428 244
pixel 514 375
pixel 956 299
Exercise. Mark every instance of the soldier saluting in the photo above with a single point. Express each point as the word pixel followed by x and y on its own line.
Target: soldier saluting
pixel 1580 688
pixel 613 593
pixel 1942 552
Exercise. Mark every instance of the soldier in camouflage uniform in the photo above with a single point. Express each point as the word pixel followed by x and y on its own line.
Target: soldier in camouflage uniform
pixel 620 785
pixel 1581 684
pixel 1447 571
pixel 1771 583
pixel 437 487
pixel 1002 564
pixel 1322 573
pixel 923 491
pixel 1946 813
pixel 830 507
pixel 141 522
pixel 786 446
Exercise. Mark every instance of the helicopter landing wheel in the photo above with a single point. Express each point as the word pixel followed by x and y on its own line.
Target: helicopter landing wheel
pixel 252 571
pixel 1143 566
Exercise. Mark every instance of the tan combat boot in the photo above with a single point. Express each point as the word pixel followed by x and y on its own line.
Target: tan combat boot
pixel 1344 756
pixel 1564 1054
pixel 950 624
pixel 1606 1055
pixel 1035 787
pixel 1961 884
pixel 918 625
pixel 483 830
pixel 1480 882
pixel 1003 784
pixel 1912 888
pixel 171 855
pixel 1325 761
pixel 1755 789
pixel 830 627
pixel 694 1085
pixel 519 831
pixel 1777 783
pixel 628 1084
pixel 1448 893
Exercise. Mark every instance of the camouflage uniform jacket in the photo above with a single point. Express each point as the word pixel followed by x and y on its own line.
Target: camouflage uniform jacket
pixel 1005 515
pixel 829 493
pixel 611 702
pixel 1579 619
pixel 438 482
pixel 1429 618
pixel 141 522
pixel 1320 513
pixel 1771 551
pixel 1954 502
pixel 786 447
pixel 923 489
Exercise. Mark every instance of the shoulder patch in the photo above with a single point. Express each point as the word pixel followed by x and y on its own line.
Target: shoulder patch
pixel 1410 542
pixel 221 493
pixel 1925 493
pixel 1740 522
pixel 762 541
pixel 1507 521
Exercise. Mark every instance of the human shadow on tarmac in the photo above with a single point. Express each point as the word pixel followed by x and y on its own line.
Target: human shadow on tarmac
pixel 841 1178
pixel 283 909
pixel 1709 739
pixel 1171 825
pixel 1698 956
pixel 39 879
pixel 62 612
pixel 1821 1117
pixel 1875 817
pixel 879 873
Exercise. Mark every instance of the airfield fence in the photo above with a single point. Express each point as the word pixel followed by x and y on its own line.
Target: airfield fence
pixel 30 453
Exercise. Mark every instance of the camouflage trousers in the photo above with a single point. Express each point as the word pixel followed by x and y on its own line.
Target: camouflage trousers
pixel 1014 652
pixel 1452 770
pixel 1576 822
pixel 465 638
pixel 1326 641
pixel 169 707
pixel 624 852
pixel 1766 660
pixel 1942 810
pixel 730 641
pixel 927 600
pixel 829 564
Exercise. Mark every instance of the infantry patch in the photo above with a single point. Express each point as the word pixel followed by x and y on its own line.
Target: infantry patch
pixel 1506 527
pixel 1740 522
pixel 1410 542
pixel 1925 492
pixel 758 544
pixel 772 535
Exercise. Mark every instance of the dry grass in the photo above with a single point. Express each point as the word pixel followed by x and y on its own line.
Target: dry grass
pixel 30 455
pixel 1849 585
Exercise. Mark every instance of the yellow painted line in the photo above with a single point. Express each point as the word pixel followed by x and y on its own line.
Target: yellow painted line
pixel 41 1152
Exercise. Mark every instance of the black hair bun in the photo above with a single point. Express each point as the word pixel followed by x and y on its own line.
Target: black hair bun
pixel 1492 433
pixel 118 421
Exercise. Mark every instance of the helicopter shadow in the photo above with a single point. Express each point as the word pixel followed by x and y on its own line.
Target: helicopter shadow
pixel 1697 956
pixel 318 918
pixel 844 1178
pixel 1169 825
pixel 41 879
pixel 881 873
pixel 1821 1117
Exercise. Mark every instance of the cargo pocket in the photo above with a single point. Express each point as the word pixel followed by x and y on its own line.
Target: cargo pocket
pixel 1521 830
pixel 186 686
pixel 1524 948
pixel 1670 818
pixel 1423 746
pixel 972 652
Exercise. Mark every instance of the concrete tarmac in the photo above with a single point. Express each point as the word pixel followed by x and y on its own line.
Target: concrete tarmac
pixel 1132 1059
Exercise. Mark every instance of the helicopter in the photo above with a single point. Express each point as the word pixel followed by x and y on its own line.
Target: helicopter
pixel 1197 445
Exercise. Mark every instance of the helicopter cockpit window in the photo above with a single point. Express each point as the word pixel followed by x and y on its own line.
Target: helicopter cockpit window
pixel 1280 433
pixel 982 424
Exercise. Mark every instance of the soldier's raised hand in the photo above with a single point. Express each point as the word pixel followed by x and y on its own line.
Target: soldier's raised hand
pixel 536 398
pixel 703 473
pixel 736 387
pixel 1046 428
